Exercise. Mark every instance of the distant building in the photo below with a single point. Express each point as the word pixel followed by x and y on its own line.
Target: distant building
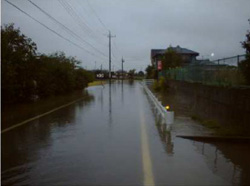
pixel 121 74
pixel 188 56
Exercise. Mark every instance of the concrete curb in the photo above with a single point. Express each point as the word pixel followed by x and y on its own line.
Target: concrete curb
pixel 224 139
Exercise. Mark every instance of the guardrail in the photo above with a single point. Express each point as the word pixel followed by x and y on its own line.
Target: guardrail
pixel 165 116
pixel 148 81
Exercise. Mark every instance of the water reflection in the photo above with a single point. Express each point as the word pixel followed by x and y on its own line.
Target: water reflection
pixel 165 137
pixel 101 100
pixel 14 114
pixel 122 91
pixel 24 146
pixel 228 160
pixel 163 133
pixel 110 104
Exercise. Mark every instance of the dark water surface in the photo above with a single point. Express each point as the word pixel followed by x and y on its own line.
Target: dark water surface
pixel 13 114
pixel 98 142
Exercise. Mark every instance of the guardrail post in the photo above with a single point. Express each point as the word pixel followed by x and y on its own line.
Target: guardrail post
pixel 170 117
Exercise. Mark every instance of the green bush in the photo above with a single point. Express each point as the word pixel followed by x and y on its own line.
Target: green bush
pixel 245 65
pixel 159 85
pixel 25 75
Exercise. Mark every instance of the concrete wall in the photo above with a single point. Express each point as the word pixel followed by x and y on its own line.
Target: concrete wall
pixel 228 106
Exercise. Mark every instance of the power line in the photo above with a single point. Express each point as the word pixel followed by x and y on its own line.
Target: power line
pixel 116 48
pixel 66 5
pixel 99 19
pixel 49 28
pixel 80 19
pixel 86 11
pixel 112 52
pixel 65 28
pixel 74 16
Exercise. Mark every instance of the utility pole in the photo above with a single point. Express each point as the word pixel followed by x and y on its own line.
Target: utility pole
pixel 110 36
pixel 122 67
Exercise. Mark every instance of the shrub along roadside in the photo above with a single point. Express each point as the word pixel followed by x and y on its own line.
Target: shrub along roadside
pixel 159 85
pixel 26 76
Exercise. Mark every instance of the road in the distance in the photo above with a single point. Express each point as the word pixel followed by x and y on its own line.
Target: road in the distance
pixel 110 140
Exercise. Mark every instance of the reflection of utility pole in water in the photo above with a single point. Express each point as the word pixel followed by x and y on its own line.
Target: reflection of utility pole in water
pixel 110 105
pixel 122 94
pixel 102 99
pixel 122 68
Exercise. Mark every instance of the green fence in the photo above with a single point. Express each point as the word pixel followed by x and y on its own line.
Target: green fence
pixel 223 74
pixel 213 75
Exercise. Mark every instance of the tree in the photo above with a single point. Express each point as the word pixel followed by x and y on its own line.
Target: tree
pixel 18 61
pixel 131 73
pixel 245 65
pixel 26 75
pixel 59 74
pixel 140 73
pixel 149 72
pixel 171 59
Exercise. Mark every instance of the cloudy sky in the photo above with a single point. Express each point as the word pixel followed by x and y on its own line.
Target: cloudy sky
pixel 205 26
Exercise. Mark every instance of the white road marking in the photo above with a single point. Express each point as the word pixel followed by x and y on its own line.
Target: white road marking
pixel 146 158
pixel 39 116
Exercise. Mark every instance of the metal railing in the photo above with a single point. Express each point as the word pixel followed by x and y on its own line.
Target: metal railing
pixel 165 116
pixel 232 61
pixel 223 72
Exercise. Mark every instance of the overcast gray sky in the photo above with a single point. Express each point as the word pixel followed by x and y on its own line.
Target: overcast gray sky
pixel 205 26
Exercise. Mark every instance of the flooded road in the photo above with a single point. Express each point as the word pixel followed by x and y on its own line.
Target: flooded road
pixel 113 139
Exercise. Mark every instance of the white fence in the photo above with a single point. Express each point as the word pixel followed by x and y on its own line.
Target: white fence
pixel 166 117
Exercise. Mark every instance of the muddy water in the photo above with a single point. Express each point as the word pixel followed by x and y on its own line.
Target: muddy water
pixel 98 142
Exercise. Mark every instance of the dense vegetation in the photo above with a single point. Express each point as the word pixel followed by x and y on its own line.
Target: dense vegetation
pixel 150 72
pixel 171 59
pixel 26 75
pixel 245 65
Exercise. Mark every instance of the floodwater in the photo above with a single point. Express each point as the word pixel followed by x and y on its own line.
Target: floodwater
pixel 113 139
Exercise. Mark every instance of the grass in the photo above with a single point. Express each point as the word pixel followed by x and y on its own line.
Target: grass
pixel 221 130
pixel 96 83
